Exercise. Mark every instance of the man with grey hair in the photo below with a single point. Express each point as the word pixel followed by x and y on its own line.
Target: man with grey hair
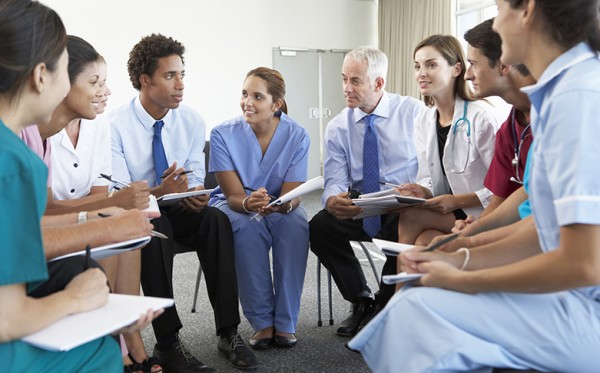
pixel 369 142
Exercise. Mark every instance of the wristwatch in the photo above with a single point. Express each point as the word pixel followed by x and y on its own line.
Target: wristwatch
pixel 82 218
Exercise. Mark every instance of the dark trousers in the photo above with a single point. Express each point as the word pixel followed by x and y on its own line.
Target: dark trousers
pixel 329 240
pixel 209 234
pixel 60 273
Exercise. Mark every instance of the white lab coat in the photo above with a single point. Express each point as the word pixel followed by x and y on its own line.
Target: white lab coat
pixel 483 136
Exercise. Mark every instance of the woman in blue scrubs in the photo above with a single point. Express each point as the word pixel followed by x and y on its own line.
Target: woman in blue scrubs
pixel 260 154
pixel 528 305
pixel 33 81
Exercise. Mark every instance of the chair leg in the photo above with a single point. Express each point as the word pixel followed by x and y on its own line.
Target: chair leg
pixel 197 287
pixel 319 321
pixel 330 298
pixel 373 268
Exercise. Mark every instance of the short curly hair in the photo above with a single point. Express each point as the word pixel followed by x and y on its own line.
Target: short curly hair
pixel 143 58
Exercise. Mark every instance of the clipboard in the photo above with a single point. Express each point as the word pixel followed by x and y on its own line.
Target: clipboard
pixel 101 252
pixel 74 330
pixel 173 198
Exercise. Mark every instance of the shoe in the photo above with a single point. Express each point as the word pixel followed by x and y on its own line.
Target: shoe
pixel 283 341
pixel 150 365
pixel 236 351
pixel 358 312
pixel 375 310
pixel 178 359
pixel 260 343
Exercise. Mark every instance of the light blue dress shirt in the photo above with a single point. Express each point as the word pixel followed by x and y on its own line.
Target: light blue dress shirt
pixel 183 138
pixel 344 138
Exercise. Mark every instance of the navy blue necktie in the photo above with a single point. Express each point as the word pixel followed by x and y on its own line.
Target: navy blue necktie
pixel 158 152
pixel 371 225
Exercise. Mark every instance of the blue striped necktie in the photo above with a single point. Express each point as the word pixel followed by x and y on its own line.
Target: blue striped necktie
pixel 158 152
pixel 371 225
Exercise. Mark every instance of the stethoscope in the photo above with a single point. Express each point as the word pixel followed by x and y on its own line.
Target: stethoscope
pixel 518 144
pixel 461 121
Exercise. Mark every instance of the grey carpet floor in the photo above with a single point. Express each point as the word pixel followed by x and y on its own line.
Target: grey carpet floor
pixel 319 349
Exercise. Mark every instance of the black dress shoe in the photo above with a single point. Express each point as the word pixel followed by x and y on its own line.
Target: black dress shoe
pixel 178 359
pixel 260 343
pixel 358 312
pixel 283 341
pixel 374 311
pixel 237 353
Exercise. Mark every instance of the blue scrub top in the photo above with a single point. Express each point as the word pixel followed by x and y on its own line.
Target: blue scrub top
pixel 234 147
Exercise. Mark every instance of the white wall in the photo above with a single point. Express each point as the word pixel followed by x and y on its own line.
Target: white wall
pixel 224 39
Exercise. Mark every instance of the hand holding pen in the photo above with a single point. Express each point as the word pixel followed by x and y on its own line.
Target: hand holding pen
pixel 257 200
pixel 410 259
pixel 116 181
pixel 152 232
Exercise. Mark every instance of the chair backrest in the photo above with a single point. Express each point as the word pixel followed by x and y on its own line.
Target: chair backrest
pixel 210 181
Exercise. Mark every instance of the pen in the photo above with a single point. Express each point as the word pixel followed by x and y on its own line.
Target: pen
pixel 152 232
pixel 183 173
pixel 349 192
pixel 389 184
pixel 88 255
pixel 441 243
pixel 273 198
pixel 110 178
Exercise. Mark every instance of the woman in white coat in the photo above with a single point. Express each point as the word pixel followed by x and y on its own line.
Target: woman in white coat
pixel 454 138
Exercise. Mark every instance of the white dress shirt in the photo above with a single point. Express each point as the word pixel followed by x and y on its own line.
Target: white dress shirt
pixel 132 129
pixel 344 139
pixel 75 170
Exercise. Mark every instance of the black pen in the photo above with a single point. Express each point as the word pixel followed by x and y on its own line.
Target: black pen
pixel 110 178
pixel 183 173
pixel 273 198
pixel 152 232
pixel 441 243
pixel 349 196
pixel 88 255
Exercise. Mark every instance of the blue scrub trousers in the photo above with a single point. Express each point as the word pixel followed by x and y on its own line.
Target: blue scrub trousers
pixel 270 300
pixel 436 330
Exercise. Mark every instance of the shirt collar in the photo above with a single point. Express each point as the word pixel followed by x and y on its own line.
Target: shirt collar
pixel 381 110
pixel 146 119
pixel 573 56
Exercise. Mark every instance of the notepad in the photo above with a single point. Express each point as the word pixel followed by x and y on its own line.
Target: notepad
pixel 378 203
pixel 173 198
pixel 400 277
pixel 74 330
pixel 101 252
pixel 391 248
pixel 302 189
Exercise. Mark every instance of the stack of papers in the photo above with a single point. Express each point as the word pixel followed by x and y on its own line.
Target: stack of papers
pixel 378 203
pixel 77 329
pixel 173 198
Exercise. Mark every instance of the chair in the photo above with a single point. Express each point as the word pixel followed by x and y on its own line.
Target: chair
pixel 210 182
pixel 375 274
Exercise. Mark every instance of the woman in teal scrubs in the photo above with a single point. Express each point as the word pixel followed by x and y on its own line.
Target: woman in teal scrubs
pixel 33 81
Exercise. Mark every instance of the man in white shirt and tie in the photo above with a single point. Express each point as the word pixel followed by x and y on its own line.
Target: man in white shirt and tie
pixel 369 142
pixel 156 139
